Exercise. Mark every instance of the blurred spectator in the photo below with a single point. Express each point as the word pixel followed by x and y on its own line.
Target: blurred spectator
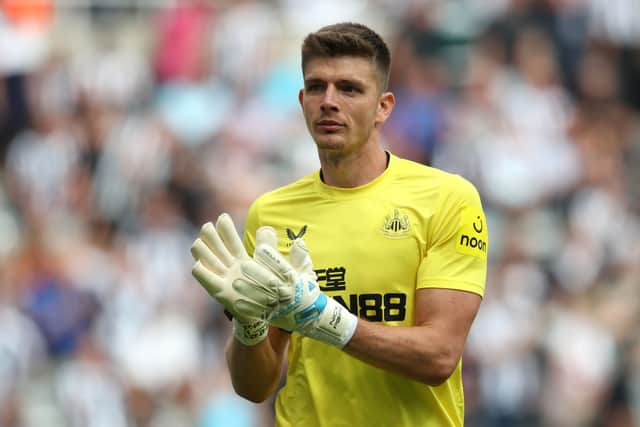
pixel 88 391
pixel 28 12
pixel 181 48
pixel 510 378
pixel 63 313
pixel 417 123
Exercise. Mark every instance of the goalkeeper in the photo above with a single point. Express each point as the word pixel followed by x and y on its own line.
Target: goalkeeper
pixel 365 276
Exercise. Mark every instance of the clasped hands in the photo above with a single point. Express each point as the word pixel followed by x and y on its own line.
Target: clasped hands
pixel 267 289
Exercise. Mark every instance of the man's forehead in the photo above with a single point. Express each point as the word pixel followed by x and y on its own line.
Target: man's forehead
pixel 340 68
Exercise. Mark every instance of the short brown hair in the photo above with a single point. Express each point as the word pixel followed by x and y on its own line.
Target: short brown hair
pixel 348 39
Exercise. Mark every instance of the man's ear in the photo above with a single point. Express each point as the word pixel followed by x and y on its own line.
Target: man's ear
pixel 385 106
pixel 301 96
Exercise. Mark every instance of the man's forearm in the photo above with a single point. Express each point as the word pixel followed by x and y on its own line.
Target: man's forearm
pixel 255 370
pixel 418 352
pixel 428 352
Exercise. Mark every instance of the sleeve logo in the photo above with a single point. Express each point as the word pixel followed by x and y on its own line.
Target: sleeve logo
pixel 472 238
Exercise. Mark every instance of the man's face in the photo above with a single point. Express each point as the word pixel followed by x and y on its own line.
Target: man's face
pixel 341 102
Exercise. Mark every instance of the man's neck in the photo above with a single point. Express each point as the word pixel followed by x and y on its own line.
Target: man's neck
pixel 352 169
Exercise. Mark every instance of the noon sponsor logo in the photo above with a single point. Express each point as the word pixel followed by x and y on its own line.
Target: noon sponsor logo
pixel 473 242
pixel 472 236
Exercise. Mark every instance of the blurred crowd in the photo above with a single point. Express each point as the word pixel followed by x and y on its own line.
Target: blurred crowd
pixel 125 125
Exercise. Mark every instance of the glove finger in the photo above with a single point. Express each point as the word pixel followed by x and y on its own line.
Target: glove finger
pixel 263 284
pixel 274 262
pixel 229 235
pixel 201 252
pixel 210 281
pixel 210 237
pixel 266 235
pixel 300 258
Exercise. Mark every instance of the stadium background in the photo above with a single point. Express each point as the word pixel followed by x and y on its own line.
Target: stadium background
pixel 124 125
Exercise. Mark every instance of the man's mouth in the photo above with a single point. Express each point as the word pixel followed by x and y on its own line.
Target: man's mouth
pixel 329 125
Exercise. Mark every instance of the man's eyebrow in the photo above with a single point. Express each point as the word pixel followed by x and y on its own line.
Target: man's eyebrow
pixel 354 82
pixel 313 80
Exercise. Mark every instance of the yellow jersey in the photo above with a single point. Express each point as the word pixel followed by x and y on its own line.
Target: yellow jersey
pixel 372 246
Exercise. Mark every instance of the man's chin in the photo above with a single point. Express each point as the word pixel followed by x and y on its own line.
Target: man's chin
pixel 327 143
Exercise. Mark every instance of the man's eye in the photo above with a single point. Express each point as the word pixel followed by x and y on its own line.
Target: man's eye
pixel 349 89
pixel 314 88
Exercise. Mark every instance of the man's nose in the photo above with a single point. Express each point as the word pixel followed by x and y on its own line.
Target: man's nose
pixel 329 100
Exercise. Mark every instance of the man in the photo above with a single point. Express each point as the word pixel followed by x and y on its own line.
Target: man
pixel 399 262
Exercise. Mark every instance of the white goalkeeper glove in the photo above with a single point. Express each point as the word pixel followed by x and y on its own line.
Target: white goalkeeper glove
pixel 248 290
pixel 310 312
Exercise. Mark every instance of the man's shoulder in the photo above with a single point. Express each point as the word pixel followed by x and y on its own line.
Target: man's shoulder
pixel 411 169
pixel 421 177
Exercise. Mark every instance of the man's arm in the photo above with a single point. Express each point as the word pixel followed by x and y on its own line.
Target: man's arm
pixel 248 292
pixel 255 370
pixel 427 352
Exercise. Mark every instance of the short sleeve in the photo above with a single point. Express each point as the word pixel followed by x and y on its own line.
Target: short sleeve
pixel 456 256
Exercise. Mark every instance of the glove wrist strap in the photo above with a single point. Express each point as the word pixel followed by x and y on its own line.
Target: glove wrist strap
pixel 250 332
pixel 335 325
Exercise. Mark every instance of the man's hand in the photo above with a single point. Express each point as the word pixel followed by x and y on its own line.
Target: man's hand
pixel 244 287
pixel 310 312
